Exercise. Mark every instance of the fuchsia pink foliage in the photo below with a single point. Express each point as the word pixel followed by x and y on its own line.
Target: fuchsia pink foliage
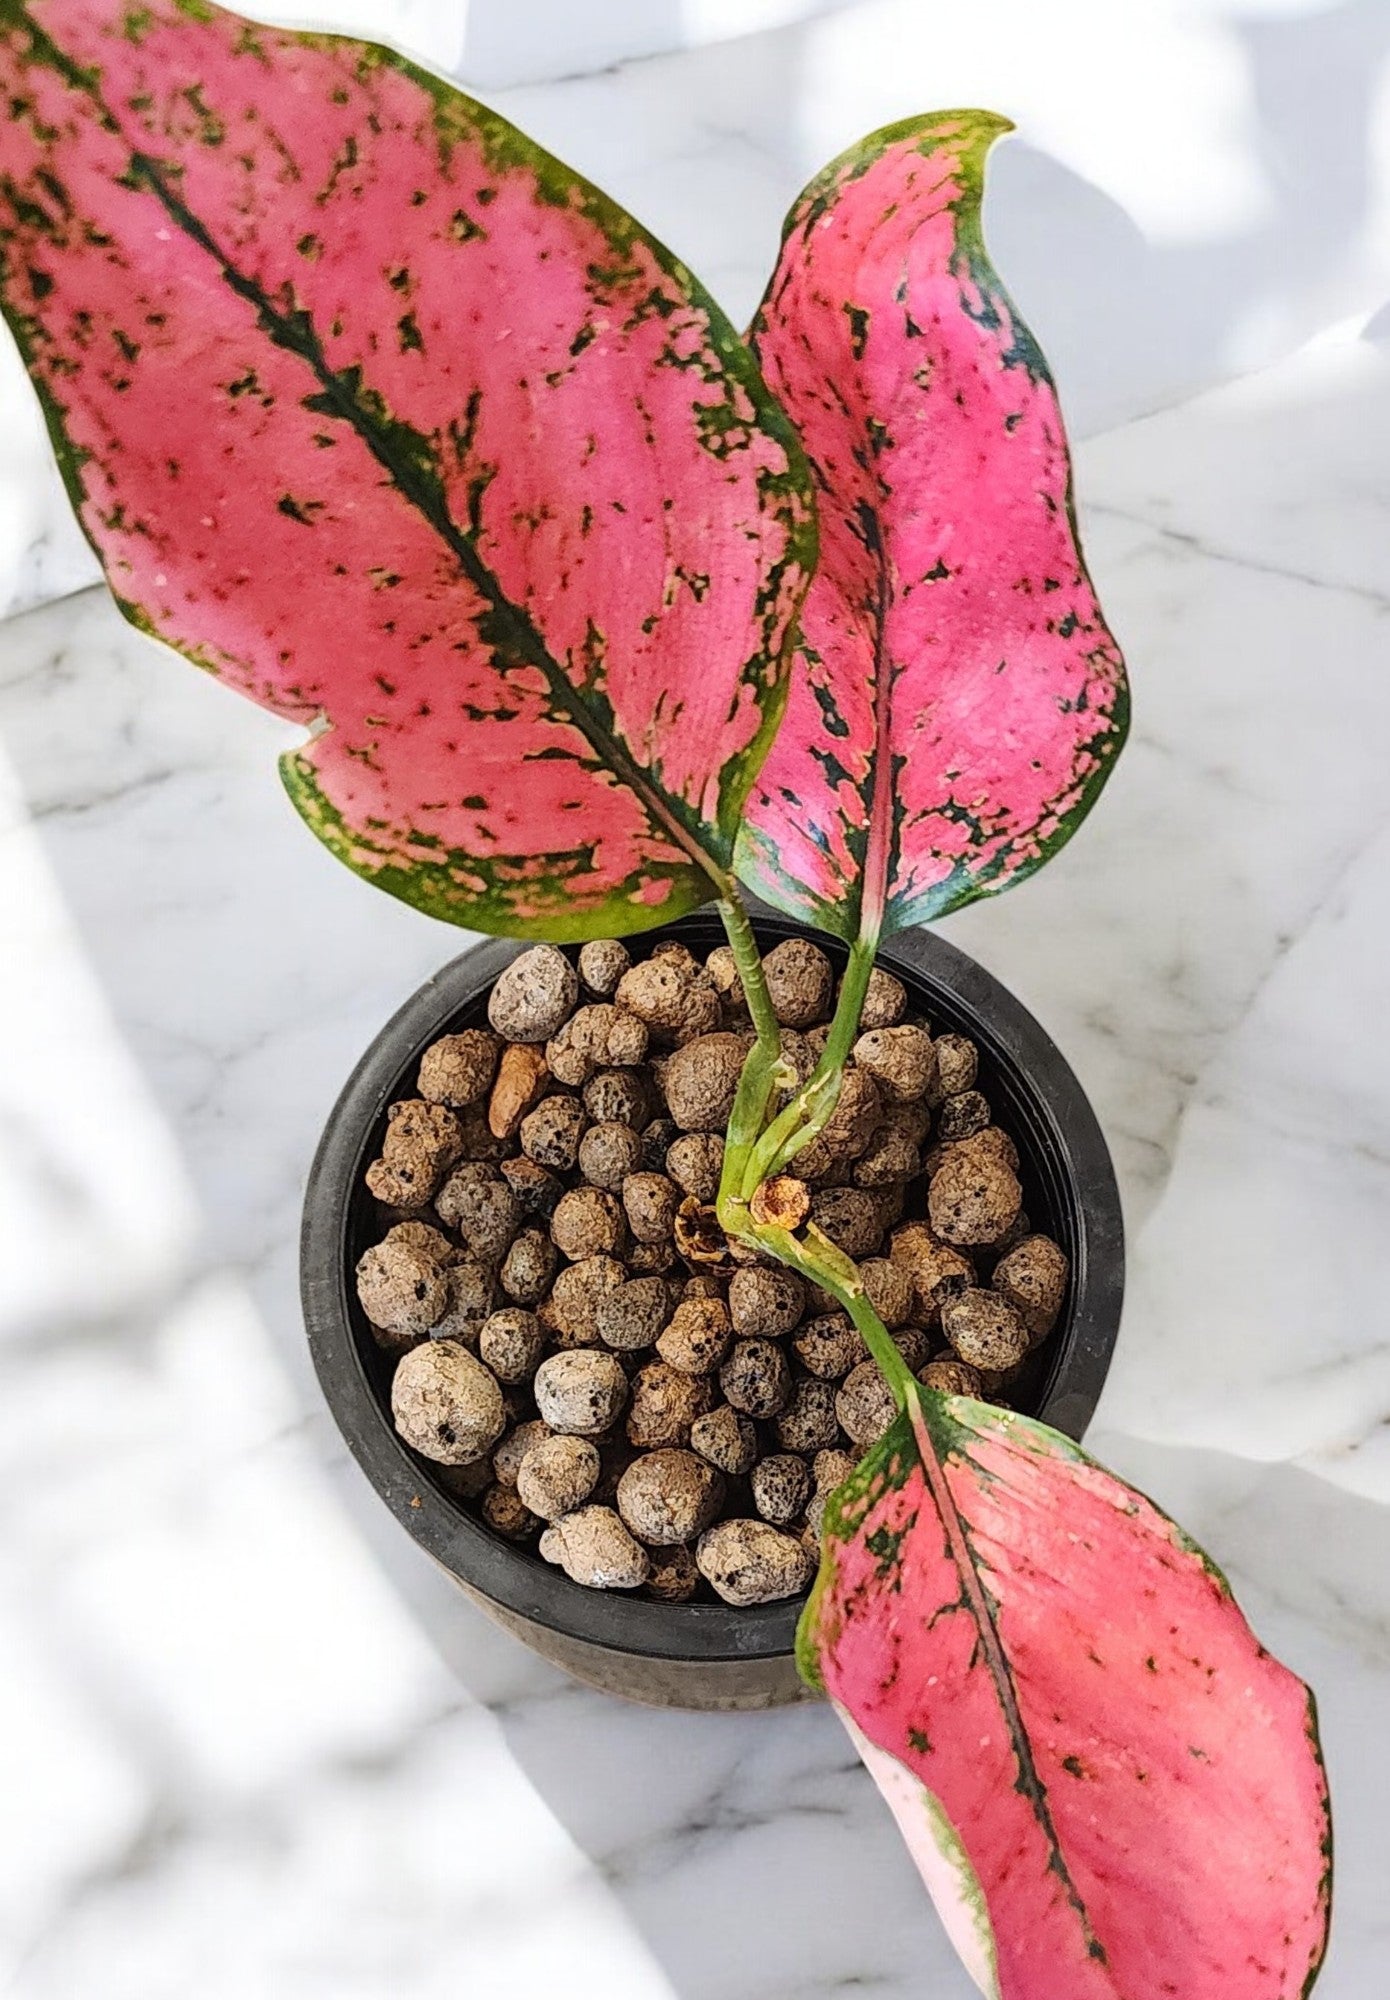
pixel 1058 1674
pixel 958 699
pixel 383 415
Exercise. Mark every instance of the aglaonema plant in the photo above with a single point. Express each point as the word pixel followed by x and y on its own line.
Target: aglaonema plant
pixel 392 421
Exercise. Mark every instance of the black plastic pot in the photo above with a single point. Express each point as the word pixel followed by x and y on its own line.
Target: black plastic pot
pixel 698 1655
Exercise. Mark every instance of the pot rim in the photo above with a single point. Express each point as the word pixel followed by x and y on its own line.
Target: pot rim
pixel 523 1583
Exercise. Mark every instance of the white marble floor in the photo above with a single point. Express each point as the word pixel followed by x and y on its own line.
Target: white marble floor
pixel 253 1744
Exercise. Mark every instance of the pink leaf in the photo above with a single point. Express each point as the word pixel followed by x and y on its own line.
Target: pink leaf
pixel 388 418
pixel 958 700
pixel 1112 1790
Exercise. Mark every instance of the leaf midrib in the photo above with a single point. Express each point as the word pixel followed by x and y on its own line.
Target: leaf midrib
pixel 996 1661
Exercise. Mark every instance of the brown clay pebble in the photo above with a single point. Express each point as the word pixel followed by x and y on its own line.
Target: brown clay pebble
pixel 594 1548
pixel 579 1049
pixel 850 1217
pixel 407 1178
pixel 586 1223
pixel 402 1289
pixel 1019 1230
pixel 510 1453
pixel 657 991
pixel 700 1080
pixel 809 1422
pixel 755 1378
pixel 973 1198
pixel 914 1345
pixel 550 1134
pixel 557 1475
pixel 595 1038
pixel 536 992
pixel 618 1097
pixel 446 1405
pixel 1033 1278
pixel 891 1157
pixel 466 1482
pixel 828 1346
pixel 901 1060
pixel 571 1312
pixel 472 1296
pixel 957 1064
pixel 695 1163
pixel 511 1344
pixel 703 1285
pixel 669 1496
pixel 431 1127
pixel 865 1404
pixel 696 1339
pixel 602 963
pixel 631 1316
pixel 608 1154
pixel 961 1117
pixel 951 1378
pixel 674 1578
pixel 726 1438
pixel 984 1329
pixel 458 1069
pixel 476 1201
pixel 993 1143
pixel 425 1238
pixel 800 980
pixel 832 1468
pixel 885 1001
pixel 627 1040
pixel 664 1405
pixel 936 1270
pixel 615 1455
pixel 528 1267
pixel 888 1288
pixel 889 1204
pixel 478 1141
pixel 507 1514
pixel 523 1077
pixel 722 967
pixel 650 1202
pixel 580 1392
pixel 658 1136
pixel 751 1562
pixel 781 1487
pixel 765 1301
pixel 648 1259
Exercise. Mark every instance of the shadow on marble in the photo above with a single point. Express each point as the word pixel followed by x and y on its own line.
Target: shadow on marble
pixel 1193 312
pixel 752 1854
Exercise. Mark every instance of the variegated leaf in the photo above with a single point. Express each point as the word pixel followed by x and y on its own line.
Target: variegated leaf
pixel 394 422
pixel 1111 1790
pixel 958 700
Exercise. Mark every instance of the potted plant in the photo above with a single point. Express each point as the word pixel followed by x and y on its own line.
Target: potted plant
pixel 595 612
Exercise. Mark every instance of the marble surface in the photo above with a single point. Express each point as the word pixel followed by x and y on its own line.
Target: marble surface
pixel 253 1744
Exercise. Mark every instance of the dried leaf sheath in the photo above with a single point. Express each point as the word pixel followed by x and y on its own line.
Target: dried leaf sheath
pixel 382 414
